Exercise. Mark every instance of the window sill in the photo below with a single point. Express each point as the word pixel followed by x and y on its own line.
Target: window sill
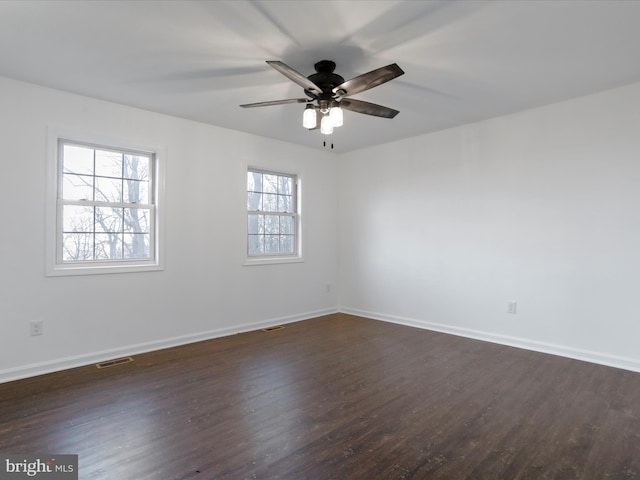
pixel 84 269
pixel 252 261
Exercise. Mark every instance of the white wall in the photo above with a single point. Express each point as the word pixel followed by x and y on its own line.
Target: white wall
pixel 438 231
pixel 204 290
pixel 541 207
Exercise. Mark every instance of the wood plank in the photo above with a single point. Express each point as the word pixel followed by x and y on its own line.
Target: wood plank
pixel 337 397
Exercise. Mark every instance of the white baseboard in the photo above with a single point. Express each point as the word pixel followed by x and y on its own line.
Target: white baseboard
pixel 31 370
pixel 34 369
pixel 599 358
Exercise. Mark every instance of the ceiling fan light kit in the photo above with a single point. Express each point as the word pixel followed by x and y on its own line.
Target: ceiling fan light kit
pixel 310 117
pixel 330 91
pixel 326 126
pixel 337 118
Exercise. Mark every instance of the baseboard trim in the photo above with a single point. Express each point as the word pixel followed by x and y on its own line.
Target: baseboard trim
pixel 599 358
pixel 35 369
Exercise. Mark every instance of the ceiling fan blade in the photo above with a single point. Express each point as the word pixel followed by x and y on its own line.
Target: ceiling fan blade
pixel 368 80
pixel 275 102
pixel 296 77
pixel 368 108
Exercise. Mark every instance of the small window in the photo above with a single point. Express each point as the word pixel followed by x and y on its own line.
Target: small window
pixel 272 215
pixel 105 208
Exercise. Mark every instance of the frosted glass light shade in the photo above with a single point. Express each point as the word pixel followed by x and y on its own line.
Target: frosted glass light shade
pixel 326 126
pixel 336 116
pixel 309 117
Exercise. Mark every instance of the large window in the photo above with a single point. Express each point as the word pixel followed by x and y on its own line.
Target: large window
pixel 272 214
pixel 105 207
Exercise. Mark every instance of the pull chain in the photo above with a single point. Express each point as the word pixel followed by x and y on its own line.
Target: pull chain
pixel 324 143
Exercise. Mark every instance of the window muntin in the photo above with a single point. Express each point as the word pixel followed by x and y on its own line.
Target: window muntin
pixel 272 217
pixel 106 210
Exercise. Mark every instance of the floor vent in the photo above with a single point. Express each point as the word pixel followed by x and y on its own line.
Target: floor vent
pixel 113 363
pixel 271 329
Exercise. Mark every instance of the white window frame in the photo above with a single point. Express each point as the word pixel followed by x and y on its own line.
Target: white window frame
pixel 53 255
pixel 270 259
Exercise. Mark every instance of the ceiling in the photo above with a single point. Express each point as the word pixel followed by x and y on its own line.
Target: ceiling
pixel 464 61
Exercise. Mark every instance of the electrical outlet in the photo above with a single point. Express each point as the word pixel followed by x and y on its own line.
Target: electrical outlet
pixel 511 307
pixel 36 327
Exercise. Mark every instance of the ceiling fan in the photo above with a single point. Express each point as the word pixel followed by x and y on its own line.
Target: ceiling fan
pixel 331 94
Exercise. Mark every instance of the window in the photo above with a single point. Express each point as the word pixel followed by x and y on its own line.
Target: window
pixel 272 215
pixel 105 209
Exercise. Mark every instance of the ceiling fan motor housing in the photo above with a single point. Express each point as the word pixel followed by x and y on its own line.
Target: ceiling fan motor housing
pixel 325 79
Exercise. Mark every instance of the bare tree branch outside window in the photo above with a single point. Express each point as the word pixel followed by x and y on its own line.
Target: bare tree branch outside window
pixel 271 213
pixel 107 204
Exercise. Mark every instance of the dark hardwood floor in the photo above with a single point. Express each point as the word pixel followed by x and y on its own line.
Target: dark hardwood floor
pixel 338 397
